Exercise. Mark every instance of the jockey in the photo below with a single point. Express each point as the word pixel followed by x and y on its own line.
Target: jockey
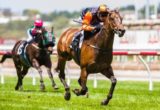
pixel 34 30
pixel 92 19
pixel 37 28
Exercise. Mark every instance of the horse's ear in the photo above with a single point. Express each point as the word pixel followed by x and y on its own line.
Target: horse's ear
pixel 117 10
pixel 109 12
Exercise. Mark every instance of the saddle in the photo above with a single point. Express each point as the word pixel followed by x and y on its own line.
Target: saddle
pixel 78 40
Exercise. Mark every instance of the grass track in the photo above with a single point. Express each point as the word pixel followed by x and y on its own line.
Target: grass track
pixel 128 95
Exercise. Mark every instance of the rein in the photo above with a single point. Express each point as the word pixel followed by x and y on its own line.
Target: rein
pixel 98 48
pixel 35 46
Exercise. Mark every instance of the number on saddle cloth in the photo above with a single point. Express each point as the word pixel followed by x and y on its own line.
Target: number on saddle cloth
pixel 21 49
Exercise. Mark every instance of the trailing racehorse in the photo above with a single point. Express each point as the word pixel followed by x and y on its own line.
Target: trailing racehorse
pixel 34 55
pixel 95 56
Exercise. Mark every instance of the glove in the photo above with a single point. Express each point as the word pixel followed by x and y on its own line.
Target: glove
pixel 39 31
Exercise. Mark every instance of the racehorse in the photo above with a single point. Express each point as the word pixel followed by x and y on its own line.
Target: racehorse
pixel 95 56
pixel 34 54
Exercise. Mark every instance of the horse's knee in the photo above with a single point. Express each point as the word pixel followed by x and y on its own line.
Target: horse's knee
pixel 113 80
pixel 40 70
pixel 61 76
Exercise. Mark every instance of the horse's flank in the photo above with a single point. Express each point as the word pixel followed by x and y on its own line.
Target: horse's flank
pixel 65 41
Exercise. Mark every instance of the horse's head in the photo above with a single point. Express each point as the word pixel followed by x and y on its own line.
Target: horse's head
pixel 114 20
pixel 49 41
pixel 45 40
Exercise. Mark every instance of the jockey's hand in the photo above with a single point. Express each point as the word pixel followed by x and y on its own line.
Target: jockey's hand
pixel 39 31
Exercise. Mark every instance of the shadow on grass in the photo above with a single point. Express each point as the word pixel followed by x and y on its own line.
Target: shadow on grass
pixel 45 91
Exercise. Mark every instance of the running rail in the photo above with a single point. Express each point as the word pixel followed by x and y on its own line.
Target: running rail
pixel 138 53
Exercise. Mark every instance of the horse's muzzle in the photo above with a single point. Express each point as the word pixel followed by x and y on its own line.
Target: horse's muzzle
pixel 120 32
pixel 50 50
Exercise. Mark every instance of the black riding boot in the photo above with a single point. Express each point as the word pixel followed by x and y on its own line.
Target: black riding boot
pixel 75 42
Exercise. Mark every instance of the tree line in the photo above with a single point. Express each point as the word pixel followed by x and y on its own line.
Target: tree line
pixel 59 19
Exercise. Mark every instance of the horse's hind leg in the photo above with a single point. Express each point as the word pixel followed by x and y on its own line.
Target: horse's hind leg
pixel 19 82
pixel 36 65
pixel 51 78
pixel 60 68
pixel 109 74
pixel 21 73
pixel 18 67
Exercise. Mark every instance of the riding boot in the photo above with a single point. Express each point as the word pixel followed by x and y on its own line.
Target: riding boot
pixel 75 41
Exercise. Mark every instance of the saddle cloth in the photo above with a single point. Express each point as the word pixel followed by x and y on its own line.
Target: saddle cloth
pixel 22 52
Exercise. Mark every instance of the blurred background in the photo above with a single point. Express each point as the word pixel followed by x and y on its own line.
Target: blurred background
pixel 140 17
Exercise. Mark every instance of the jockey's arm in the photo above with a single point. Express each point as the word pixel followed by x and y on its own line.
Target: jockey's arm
pixel 30 37
pixel 86 22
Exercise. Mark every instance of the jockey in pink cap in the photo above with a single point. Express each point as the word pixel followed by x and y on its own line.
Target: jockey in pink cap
pixel 34 30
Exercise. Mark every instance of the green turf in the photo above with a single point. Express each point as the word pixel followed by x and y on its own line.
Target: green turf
pixel 128 95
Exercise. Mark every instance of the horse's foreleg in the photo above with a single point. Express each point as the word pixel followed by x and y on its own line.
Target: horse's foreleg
pixel 24 71
pixel 82 82
pixel 109 74
pixel 61 67
pixel 51 78
pixel 36 65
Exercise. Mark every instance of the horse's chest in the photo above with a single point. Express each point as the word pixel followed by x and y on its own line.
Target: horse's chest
pixel 104 58
pixel 100 63
pixel 95 67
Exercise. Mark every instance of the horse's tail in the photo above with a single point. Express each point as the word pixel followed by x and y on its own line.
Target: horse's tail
pixel 5 56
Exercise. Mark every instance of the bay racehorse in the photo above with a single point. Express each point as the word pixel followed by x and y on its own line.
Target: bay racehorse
pixel 95 56
pixel 34 54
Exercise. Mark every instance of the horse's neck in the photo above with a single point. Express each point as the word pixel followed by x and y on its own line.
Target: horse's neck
pixel 105 39
pixel 32 48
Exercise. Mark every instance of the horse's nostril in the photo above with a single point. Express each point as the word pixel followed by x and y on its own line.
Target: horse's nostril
pixel 123 30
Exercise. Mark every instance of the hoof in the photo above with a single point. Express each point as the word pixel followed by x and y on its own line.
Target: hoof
pixel 21 88
pixel 55 87
pixel 87 94
pixel 76 91
pixel 67 96
pixel 105 102
pixel 16 88
pixel 42 87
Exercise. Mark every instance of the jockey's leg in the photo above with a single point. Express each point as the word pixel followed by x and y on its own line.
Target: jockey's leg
pixel 29 38
pixel 81 39
pixel 76 39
